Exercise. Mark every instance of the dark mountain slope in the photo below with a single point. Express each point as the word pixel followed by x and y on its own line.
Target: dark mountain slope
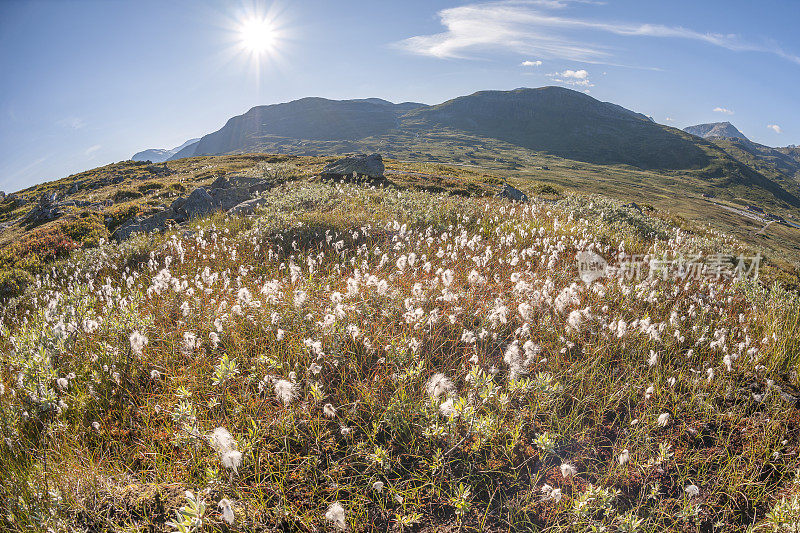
pixel 307 118
pixel 565 123
pixel 504 125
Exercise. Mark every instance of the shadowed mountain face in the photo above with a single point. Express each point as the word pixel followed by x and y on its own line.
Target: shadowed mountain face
pixel 781 165
pixel 556 120
pixel 308 118
pixel 565 123
pixel 549 120
pixel 725 130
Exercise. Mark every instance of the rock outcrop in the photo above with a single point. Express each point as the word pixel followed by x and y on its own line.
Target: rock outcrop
pixel 634 206
pixel 357 166
pixel 247 207
pixel 45 210
pixel 198 204
pixel 233 194
pixel 514 194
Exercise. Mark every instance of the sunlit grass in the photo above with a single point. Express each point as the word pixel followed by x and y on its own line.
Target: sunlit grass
pixel 373 359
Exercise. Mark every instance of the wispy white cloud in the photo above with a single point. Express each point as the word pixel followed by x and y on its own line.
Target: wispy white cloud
pixel 536 63
pixel 723 110
pixel 74 123
pixel 577 74
pixel 775 128
pixel 536 28
pixel 92 150
pixel 572 77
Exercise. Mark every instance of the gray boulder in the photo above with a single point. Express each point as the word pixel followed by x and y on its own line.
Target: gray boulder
pixel 177 204
pixel 157 222
pixel 45 210
pixel 199 203
pixel 247 207
pixel 220 183
pixel 225 199
pixel 357 166
pixel 516 195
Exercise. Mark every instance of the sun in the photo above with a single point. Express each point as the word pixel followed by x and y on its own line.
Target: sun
pixel 257 35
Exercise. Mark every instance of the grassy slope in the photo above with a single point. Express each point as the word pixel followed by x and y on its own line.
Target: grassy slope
pixel 114 444
pixel 140 188
pixel 722 177
pixel 779 165
pixel 512 127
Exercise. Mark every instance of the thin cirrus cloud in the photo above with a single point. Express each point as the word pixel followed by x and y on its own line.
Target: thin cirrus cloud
pixel 92 150
pixel 534 27
pixel 723 110
pixel 775 128
pixel 74 123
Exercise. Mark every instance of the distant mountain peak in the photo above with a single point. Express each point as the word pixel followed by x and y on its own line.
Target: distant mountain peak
pixel 158 155
pixel 725 130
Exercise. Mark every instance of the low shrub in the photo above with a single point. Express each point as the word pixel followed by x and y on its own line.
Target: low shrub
pixel 126 194
pixel 13 282
pixel 118 214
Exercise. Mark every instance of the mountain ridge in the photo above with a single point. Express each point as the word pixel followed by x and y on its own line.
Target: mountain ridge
pixel 546 120
pixel 159 155
pixel 725 130
pixel 311 118
pixel 551 119
pixel 565 123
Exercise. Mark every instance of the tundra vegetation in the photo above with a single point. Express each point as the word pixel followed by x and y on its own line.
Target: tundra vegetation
pixel 352 358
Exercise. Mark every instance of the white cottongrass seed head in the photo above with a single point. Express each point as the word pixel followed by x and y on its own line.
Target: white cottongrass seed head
pixel 138 342
pixel 226 508
pixel 335 515
pixel 227 448
pixel 285 391
pixel 439 385
pixel 624 456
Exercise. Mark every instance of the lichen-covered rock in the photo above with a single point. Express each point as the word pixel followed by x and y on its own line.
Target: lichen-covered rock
pixel 226 198
pixel 199 203
pixel 247 207
pixel 360 166
pixel 512 193
pixel 157 222
pixel 45 210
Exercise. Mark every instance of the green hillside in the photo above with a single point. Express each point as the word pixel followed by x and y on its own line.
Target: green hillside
pixel 512 128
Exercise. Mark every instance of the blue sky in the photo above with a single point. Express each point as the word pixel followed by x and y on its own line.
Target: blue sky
pixel 86 83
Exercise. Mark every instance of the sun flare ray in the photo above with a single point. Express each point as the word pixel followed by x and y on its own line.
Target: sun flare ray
pixel 258 35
